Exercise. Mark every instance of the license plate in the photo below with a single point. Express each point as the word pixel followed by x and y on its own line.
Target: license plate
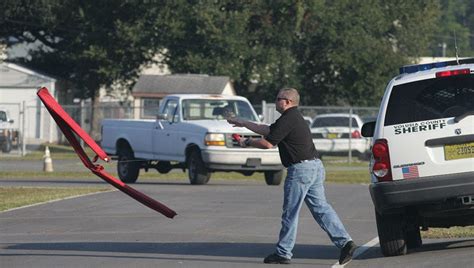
pixel 332 135
pixel 459 151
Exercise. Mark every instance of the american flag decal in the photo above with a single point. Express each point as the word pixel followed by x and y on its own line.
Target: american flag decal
pixel 410 172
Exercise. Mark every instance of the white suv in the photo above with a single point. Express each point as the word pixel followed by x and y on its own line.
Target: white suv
pixel 423 153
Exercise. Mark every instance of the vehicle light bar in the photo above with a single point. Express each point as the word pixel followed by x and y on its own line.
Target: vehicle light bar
pixel 407 69
pixel 453 72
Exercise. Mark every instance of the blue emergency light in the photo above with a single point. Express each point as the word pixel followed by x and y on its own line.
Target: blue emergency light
pixel 408 69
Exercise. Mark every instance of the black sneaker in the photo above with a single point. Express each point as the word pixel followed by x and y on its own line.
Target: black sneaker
pixel 346 252
pixel 276 259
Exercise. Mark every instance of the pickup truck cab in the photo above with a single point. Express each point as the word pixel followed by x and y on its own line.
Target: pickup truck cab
pixel 191 133
pixel 422 163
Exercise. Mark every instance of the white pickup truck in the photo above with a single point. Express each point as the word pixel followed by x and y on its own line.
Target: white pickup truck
pixel 190 132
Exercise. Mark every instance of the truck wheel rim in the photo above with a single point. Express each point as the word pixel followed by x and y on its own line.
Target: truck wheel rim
pixel 123 166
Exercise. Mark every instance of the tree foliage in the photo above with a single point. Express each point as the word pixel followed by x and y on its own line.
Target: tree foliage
pixel 455 27
pixel 89 43
pixel 335 52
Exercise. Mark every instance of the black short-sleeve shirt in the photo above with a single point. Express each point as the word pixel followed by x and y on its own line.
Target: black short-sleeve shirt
pixel 293 137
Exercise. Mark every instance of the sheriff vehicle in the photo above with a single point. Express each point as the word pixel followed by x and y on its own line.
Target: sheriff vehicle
pixel 422 162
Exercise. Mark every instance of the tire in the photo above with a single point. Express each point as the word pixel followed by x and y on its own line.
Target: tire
pixel 413 238
pixel 127 169
pixel 197 172
pixel 7 146
pixel 274 177
pixel 391 234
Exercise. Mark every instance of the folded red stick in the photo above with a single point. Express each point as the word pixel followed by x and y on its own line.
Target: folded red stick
pixel 68 126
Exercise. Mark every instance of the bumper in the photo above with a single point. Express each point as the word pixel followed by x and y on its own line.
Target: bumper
pixel 421 191
pixel 341 145
pixel 242 159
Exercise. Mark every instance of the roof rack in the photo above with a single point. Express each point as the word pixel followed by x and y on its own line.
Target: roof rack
pixel 407 69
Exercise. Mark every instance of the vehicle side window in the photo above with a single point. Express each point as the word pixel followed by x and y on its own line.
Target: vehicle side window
pixel 171 111
pixel 430 99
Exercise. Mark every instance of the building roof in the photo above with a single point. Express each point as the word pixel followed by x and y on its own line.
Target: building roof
pixel 16 76
pixel 162 85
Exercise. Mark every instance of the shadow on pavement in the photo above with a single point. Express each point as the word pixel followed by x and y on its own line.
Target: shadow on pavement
pixel 250 250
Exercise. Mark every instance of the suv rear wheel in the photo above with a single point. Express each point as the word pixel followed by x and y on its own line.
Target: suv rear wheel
pixel 391 234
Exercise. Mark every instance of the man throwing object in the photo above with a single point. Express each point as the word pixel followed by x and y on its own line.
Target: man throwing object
pixel 304 180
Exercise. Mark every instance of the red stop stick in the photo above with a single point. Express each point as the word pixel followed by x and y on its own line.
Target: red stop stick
pixel 236 137
pixel 68 126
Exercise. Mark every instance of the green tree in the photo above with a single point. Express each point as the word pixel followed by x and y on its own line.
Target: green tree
pixel 88 43
pixel 456 20
pixel 247 40
pixel 350 49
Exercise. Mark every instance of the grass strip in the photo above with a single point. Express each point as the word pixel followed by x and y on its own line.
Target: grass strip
pixel 13 197
pixel 336 176
pixel 453 232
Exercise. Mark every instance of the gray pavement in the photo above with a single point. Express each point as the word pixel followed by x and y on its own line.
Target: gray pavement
pixel 222 224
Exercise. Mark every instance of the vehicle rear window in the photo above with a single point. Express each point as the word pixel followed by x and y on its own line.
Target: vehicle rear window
pixel 203 109
pixel 334 122
pixel 430 99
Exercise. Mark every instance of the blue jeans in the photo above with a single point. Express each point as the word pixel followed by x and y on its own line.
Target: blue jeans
pixel 304 182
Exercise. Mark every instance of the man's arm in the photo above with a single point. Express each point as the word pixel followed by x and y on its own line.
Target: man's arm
pixel 261 129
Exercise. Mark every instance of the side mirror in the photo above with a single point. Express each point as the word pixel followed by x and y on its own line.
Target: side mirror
pixel 162 117
pixel 368 129
pixel 260 116
pixel 11 121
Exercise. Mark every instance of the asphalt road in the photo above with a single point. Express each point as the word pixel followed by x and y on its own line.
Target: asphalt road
pixel 222 224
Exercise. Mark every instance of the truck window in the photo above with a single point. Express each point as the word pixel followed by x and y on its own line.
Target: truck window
pixel 430 99
pixel 170 110
pixel 204 109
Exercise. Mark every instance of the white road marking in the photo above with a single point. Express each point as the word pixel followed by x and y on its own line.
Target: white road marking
pixel 359 251
pixel 56 200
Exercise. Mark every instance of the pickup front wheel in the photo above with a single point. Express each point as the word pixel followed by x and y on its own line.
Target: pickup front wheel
pixel 127 168
pixel 198 173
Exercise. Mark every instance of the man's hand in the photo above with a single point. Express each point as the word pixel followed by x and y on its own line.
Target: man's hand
pixel 237 122
pixel 245 142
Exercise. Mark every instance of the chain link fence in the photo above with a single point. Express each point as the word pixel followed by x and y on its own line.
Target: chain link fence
pixel 34 126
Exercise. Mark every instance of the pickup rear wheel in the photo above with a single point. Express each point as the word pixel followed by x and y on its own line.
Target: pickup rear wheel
pixel 198 173
pixel 127 168
pixel 274 177
pixel 391 234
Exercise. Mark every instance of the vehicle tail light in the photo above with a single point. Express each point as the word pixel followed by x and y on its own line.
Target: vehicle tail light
pixel 453 72
pixel 381 167
pixel 356 134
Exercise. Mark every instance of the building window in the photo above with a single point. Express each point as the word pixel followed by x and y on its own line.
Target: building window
pixel 150 107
